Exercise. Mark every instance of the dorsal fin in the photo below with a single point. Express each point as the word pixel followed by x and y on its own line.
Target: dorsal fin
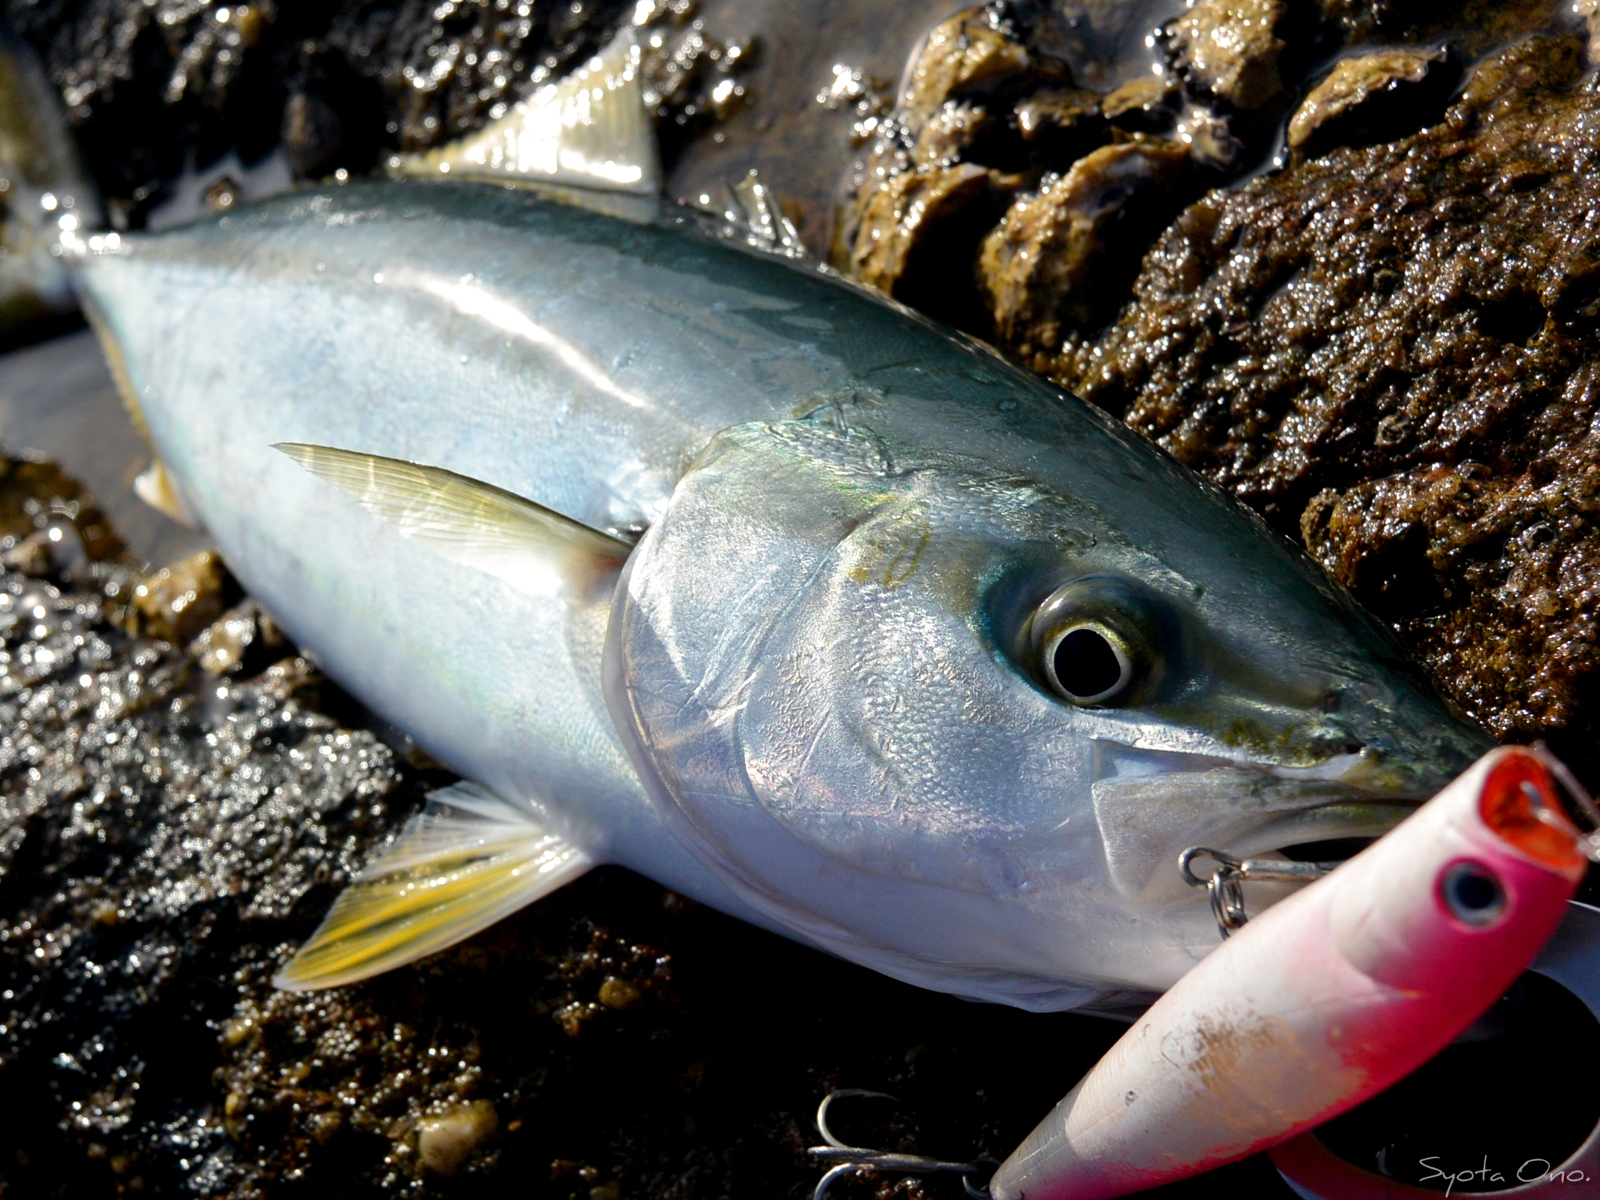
pixel 472 523
pixel 588 131
pixel 469 859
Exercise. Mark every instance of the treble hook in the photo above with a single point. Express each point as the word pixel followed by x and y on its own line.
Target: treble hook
pixel 1223 885
pixel 1590 842
pixel 858 1158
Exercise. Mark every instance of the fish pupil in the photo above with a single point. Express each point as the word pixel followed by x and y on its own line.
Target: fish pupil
pixel 1086 665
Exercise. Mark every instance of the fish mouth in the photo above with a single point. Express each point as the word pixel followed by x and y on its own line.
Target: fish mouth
pixel 1151 805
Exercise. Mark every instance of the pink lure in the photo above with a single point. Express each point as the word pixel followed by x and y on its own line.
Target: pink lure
pixel 1325 999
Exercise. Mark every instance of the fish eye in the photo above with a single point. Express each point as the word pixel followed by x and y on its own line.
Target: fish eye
pixel 1093 644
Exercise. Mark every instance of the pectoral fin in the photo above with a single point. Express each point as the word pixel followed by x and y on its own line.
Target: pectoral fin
pixel 468 860
pixel 589 132
pixel 473 523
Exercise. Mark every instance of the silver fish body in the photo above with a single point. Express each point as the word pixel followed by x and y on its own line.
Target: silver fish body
pixel 824 694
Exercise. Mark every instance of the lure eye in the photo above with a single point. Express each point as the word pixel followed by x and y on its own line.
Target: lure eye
pixel 1094 643
pixel 1473 894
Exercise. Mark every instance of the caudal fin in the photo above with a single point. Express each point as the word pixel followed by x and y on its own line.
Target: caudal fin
pixel 469 859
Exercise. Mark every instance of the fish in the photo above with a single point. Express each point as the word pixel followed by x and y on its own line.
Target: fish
pixel 1325 1000
pixel 702 560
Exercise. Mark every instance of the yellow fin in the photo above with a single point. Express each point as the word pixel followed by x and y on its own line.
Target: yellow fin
pixel 473 523
pixel 461 865
pixel 590 130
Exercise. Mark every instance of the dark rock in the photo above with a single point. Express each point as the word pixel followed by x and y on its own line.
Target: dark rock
pixel 1144 105
pixel 1372 98
pixel 1392 351
pixel 1051 265
pixel 176 603
pixel 972 54
pixel 1230 48
pixel 910 226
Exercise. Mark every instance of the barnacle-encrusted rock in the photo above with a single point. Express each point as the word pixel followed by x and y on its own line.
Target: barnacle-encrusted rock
pixel 1050 266
pixel 1589 10
pixel 176 603
pixel 968 55
pixel 1394 351
pixel 898 218
pixel 1230 48
pixel 1347 107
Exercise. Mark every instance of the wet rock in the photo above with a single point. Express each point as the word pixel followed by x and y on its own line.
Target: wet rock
pixel 948 133
pixel 899 215
pixel 243 635
pixel 1589 10
pixel 446 1139
pixel 35 498
pixel 42 185
pixel 1392 352
pixel 1363 98
pixel 1052 114
pixel 969 55
pixel 150 86
pixel 178 602
pixel 1472 27
pixel 1142 105
pixel 1049 268
pixel 1230 48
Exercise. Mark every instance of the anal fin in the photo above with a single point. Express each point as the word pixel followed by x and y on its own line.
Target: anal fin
pixel 469 859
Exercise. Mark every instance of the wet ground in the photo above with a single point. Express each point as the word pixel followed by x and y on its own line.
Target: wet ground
pixel 1386 345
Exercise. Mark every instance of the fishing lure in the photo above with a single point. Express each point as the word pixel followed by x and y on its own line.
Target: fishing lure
pixel 1326 999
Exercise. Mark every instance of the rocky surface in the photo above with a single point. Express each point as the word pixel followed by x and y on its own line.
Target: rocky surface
pixel 1368 97
pixel 1387 346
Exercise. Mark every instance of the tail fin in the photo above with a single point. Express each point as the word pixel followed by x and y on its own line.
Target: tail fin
pixel 469 859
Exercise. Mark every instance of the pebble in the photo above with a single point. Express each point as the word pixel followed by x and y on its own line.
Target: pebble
pixel 447 1139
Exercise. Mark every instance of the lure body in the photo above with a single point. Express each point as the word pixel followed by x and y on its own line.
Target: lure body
pixel 811 699
pixel 1326 999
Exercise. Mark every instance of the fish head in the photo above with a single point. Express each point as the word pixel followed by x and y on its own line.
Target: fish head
pixel 959 721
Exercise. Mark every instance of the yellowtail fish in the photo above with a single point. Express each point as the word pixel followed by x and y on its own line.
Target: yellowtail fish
pixel 704 562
